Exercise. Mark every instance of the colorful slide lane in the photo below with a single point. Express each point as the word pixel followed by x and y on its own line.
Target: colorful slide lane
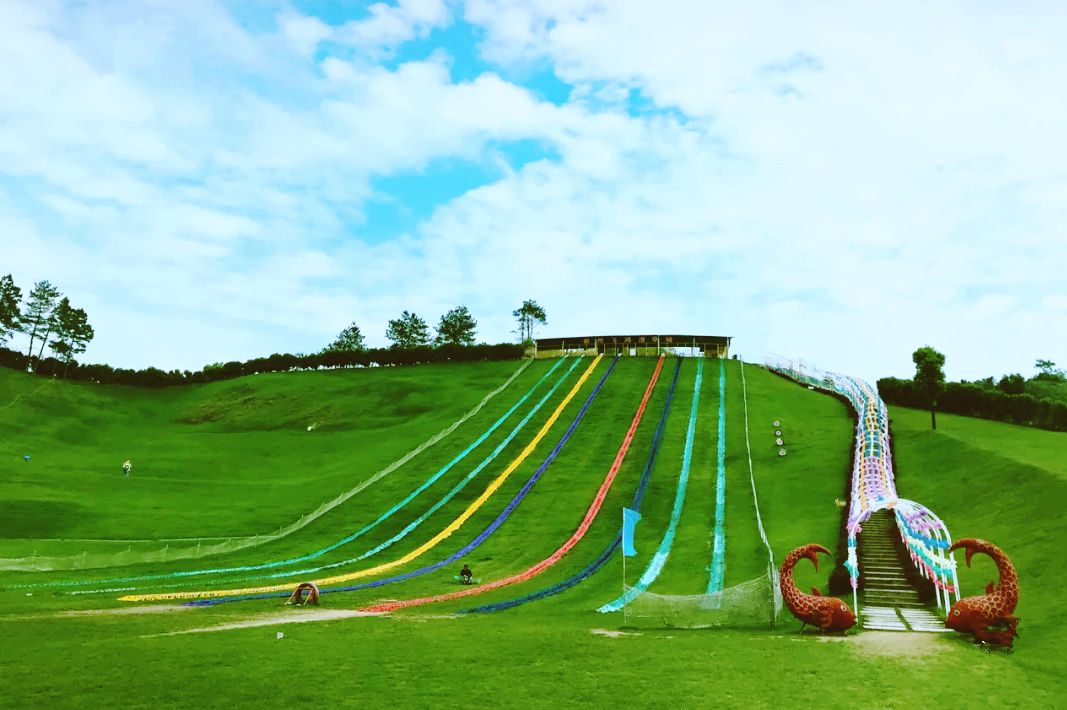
pixel 469 547
pixel 417 552
pixel 563 549
pixel 655 565
pixel 353 536
pixel 601 559
pixel 718 554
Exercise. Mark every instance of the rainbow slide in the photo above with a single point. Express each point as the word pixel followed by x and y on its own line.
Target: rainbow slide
pixel 417 552
pixel 601 559
pixel 563 549
pixel 476 542
pixel 655 565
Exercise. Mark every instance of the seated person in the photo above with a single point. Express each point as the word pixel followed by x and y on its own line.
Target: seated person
pixel 465 574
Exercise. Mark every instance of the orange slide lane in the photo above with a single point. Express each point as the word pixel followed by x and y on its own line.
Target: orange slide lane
pixel 563 549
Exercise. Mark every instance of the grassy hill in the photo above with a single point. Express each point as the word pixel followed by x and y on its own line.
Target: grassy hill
pixel 231 458
pixel 237 455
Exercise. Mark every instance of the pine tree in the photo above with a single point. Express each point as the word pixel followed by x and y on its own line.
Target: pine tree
pixel 37 316
pixel 73 333
pixel 10 298
pixel 527 315
pixel 351 338
pixel 456 327
pixel 408 331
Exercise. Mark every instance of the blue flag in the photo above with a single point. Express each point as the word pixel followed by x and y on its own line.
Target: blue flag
pixel 629 522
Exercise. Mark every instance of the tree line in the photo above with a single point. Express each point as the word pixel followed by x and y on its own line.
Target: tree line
pixel 278 362
pixel 1005 400
pixel 409 334
pixel 456 327
pixel 48 318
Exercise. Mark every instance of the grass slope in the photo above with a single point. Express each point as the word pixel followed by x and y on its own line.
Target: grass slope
pixel 228 458
pixel 994 482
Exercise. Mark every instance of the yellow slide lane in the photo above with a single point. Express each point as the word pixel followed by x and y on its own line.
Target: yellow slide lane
pixel 417 552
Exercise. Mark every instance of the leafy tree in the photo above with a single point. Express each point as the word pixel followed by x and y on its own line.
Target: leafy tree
pixel 929 378
pixel 37 316
pixel 527 315
pixel 10 298
pixel 1047 371
pixel 73 332
pixel 456 327
pixel 1012 384
pixel 351 338
pixel 408 331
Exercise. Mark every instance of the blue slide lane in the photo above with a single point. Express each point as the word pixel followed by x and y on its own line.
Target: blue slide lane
pixel 477 541
pixel 603 557
pixel 655 566
pixel 718 554
pixel 387 514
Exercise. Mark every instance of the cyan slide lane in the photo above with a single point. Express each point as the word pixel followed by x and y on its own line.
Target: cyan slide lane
pixel 466 549
pixel 655 565
pixel 718 554
pixel 601 559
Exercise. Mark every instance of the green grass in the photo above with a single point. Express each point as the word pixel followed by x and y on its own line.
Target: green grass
pixel 1005 484
pixel 985 479
pixel 227 459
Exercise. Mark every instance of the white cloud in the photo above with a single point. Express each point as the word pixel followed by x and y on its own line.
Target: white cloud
pixel 839 185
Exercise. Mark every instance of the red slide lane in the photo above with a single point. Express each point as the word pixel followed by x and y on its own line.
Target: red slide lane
pixel 555 557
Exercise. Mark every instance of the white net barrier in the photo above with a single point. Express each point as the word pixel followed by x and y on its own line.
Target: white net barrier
pixel 752 604
pixel 204 547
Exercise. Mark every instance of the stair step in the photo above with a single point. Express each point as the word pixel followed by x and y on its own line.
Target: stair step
pixel 893 597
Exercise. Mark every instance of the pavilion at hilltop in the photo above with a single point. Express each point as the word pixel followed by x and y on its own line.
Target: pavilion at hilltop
pixel 635 345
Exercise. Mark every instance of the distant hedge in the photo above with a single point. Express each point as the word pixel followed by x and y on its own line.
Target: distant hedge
pixel 973 400
pixel 154 377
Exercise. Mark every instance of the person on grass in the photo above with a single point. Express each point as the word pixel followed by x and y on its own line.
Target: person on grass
pixel 126 468
pixel 465 574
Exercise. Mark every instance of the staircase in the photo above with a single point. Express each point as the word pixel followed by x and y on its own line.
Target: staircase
pixel 890 601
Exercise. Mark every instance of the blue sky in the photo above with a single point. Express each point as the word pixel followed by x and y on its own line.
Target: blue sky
pixel 216 181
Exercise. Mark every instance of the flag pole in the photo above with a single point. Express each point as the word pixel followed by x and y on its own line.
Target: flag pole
pixel 625 622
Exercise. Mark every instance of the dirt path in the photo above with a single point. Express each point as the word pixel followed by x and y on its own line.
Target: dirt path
pixel 124 610
pixel 290 617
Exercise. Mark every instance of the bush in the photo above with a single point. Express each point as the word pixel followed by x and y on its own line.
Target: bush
pixel 976 400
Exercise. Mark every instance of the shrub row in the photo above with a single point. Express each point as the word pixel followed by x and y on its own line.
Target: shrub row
pixel 973 400
pixel 154 377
